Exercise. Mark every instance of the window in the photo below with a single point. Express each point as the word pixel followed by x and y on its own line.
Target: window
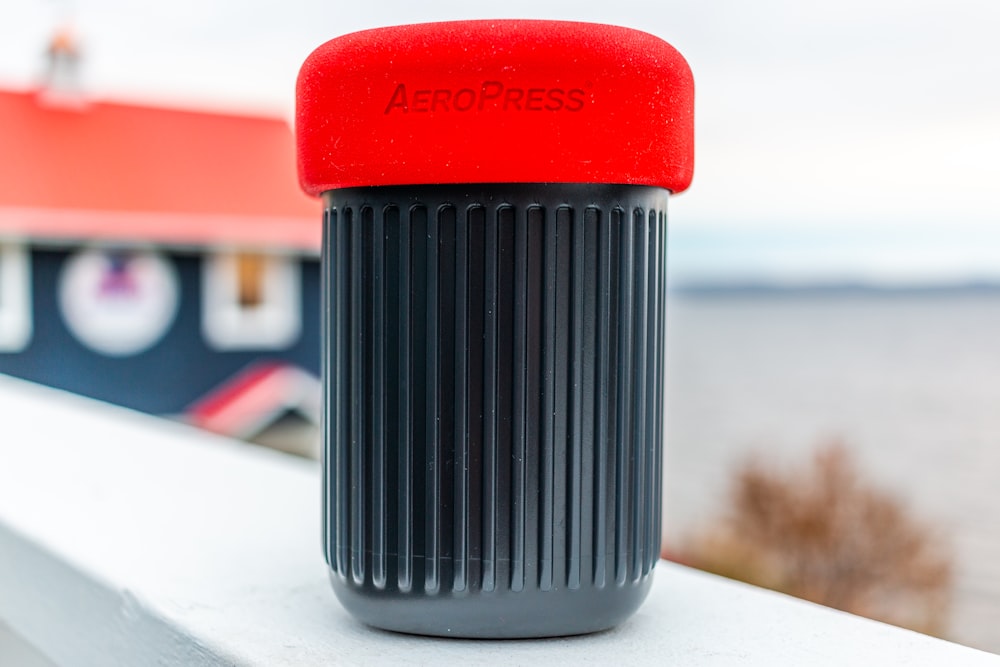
pixel 118 302
pixel 250 280
pixel 251 301
pixel 15 297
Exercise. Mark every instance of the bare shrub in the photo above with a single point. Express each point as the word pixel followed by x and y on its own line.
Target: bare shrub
pixel 824 534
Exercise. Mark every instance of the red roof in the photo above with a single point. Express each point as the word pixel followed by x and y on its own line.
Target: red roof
pixel 103 170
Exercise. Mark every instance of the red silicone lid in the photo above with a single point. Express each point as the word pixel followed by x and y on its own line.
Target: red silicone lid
pixel 506 101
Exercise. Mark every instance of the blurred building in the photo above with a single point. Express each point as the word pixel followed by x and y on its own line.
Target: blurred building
pixel 159 258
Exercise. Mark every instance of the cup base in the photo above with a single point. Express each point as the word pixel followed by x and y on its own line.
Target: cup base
pixel 499 614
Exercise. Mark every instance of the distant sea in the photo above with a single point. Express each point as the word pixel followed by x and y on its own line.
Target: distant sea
pixel 908 379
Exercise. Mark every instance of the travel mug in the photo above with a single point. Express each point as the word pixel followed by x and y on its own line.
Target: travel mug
pixel 495 201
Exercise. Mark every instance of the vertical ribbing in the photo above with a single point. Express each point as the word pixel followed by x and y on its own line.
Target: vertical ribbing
pixel 448 441
pixel 520 407
pixel 576 447
pixel 546 530
pixel 476 391
pixel 493 405
pixel 587 442
pixel 624 407
pixel 341 427
pixel 432 424
pixel 490 372
pixel 461 414
pixel 395 403
pixel 653 350
pixel 506 269
pixel 659 406
pixel 414 297
pixel 604 390
pixel 640 366
pixel 562 446
pixel 357 397
pixel 328 398
pixel 375 378
pixel 534 410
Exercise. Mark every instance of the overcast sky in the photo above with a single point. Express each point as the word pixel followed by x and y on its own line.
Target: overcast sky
pixel 815 121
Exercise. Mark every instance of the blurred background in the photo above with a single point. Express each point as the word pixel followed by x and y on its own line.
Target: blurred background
pixel 835 268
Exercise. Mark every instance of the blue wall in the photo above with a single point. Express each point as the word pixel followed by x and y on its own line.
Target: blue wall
pixel 168 377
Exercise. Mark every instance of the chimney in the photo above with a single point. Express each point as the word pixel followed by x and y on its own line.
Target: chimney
pixel 60 85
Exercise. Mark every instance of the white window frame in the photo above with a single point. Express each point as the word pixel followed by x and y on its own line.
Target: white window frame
pixel 110 331
pixel 275 323
pixel 15 297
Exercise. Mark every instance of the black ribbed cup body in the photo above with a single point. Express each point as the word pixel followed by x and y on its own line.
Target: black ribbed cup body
pixel 493 373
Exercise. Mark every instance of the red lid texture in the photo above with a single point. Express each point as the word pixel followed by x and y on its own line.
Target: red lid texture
pixel 505 101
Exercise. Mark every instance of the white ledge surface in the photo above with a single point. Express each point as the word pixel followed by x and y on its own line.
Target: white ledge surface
pixel 125 539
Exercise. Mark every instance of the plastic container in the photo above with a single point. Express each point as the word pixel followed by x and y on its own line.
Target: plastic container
pixel 494 289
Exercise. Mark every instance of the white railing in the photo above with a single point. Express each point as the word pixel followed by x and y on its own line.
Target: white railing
pixel 129 540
